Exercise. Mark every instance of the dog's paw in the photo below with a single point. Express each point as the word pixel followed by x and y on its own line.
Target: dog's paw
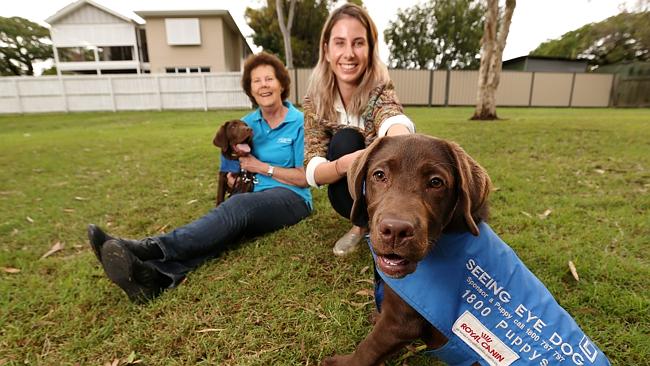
pixel 337 360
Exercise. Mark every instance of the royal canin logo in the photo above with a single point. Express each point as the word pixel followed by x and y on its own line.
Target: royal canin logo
pixel 486 337
pixel 483 340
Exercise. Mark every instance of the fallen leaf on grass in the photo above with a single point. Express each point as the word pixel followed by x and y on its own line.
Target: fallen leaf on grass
pixel 68 210
pixel 545 214
pixel 115 362
pixel 10 270
pixel 526 214
pixel 162 228
pixel 365 292
pixel 192 201
pixel 599 171
pixel 357 304
pixel 79 198
pixel 55 248
pixel 365 281
pixel 207 330
pixel 31 221
pixel 574 271
pixel 364 269
pixel 131 359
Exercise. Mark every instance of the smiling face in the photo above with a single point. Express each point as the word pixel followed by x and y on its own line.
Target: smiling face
pixel 265 87
pixel 347 51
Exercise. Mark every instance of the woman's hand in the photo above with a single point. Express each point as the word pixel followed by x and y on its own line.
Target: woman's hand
pixel 333 171
pixel 251 164
pixel 292 176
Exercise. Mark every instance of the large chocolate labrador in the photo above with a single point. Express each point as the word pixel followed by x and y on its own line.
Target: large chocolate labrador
pixel 408 190
pixel 235 139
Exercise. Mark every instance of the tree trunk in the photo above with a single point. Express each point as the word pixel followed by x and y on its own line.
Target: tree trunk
pixel 286 29
pixel 492 45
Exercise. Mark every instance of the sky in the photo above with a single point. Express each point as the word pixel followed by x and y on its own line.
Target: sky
pixel 533 22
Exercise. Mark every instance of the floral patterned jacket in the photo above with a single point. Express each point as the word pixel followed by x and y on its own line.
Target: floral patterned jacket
pixel 383 104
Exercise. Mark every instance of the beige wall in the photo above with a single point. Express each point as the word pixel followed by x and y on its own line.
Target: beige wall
pixel 516 88
pixel 592 90
pixel 552 89
pixel 232 49
pixel 463 86
pixel 220 48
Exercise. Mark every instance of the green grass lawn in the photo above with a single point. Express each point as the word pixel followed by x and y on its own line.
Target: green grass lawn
pixel 284 299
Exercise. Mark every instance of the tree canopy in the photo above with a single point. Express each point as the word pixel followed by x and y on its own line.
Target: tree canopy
pixel 21 43
pixel 624 37
pixel 310 15
pixel 436 34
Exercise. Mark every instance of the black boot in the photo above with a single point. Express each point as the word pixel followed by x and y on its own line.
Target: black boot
pixel 140 281
pixel 146 249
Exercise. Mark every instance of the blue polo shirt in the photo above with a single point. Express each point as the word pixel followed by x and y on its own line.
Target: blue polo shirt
pixel 282 147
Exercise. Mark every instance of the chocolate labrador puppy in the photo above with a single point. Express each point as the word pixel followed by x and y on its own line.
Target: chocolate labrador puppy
pixel 235 139
pixel 466 293
pixel 408 190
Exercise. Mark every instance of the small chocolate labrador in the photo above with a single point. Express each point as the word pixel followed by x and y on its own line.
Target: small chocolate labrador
pixel 235 139
pixel 408 190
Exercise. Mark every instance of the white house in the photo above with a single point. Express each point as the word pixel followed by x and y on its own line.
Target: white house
pixel 89 38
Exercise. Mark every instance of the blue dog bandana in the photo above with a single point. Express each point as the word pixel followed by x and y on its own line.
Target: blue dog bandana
pixel 493 310
pixel 227 165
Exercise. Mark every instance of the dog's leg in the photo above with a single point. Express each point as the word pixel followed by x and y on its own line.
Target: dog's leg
pixel 397 326
pixel 221 188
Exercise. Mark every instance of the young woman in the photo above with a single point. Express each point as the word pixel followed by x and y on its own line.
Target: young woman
pixel 350 102
pixel 145 268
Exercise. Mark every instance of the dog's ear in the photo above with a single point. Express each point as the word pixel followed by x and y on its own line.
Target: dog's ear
pixel 221 138
pixel 473 187
pixel 356 184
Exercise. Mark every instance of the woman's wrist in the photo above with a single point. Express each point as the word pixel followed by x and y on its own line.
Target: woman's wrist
pixel 339 172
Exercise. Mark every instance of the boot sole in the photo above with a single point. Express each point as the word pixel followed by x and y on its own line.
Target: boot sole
pixel 118 264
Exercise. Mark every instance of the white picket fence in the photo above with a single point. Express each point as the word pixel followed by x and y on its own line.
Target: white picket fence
pixel 121 93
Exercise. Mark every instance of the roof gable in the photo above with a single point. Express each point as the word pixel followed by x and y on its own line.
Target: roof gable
pixel 87 12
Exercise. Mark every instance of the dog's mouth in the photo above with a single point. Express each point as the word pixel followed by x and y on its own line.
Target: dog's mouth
pixel 395 265
pixel 242 149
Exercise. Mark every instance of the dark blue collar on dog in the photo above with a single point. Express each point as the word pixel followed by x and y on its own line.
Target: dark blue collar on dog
pixel 493 310
pixel 228 165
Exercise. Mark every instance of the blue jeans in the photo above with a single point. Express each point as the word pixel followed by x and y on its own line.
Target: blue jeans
pixel 244 214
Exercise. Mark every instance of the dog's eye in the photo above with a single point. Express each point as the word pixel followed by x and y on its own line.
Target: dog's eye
pixel 379 175
pixel 435 182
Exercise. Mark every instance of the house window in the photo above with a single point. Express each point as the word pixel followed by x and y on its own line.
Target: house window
pixel 75 54
pixel 115 53
pixel 183 31
pixel 144 52
pixel 185 70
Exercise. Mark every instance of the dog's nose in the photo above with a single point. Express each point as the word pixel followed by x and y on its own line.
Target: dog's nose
pixel 394 231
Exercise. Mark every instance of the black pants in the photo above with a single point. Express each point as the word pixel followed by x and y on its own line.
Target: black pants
pixel 343 142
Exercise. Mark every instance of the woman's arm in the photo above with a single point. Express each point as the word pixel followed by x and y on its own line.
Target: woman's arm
pixel 292 176
pixel 333 171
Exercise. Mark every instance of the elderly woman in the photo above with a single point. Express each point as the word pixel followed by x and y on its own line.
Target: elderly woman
pixel 145 268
